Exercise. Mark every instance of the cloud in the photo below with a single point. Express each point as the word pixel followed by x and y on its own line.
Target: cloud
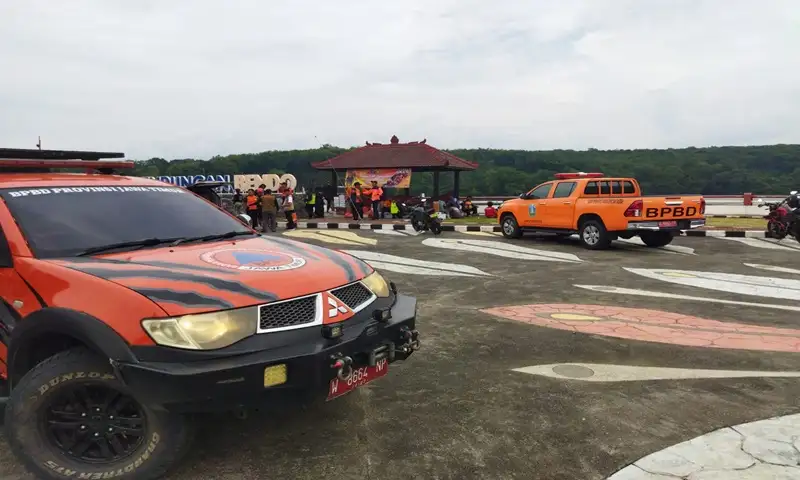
pixel 184 78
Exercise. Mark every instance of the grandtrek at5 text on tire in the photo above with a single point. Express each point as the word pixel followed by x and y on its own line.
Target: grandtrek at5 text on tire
pixel 70 417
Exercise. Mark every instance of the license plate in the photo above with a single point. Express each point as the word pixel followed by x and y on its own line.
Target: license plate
pixel 360 377
pixel 669 223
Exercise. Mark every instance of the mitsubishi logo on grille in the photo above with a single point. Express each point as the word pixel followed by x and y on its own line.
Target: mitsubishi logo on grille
pixel 335 308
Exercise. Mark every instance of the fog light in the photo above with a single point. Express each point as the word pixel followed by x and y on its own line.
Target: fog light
pixel 275 375
pixel 332 331
pixel 382 315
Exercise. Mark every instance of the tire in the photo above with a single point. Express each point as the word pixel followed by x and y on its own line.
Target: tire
pixel 656 239
pixel 510 227
pixel 593 235
pixel 42 396
pixel 436 227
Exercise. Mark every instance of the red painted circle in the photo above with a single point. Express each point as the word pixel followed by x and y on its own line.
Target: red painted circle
pixel 654 326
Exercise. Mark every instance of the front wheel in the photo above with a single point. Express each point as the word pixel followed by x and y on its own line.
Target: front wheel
pixel 70 417
pixel 510 227
pixel 436 227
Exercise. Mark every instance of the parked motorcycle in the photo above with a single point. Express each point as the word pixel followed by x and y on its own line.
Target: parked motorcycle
pixel 424 218
pixel 781 220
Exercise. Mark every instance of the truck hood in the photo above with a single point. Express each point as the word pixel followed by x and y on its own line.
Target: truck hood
pixel 206 277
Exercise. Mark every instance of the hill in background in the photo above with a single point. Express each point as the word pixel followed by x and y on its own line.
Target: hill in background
pixel 773 169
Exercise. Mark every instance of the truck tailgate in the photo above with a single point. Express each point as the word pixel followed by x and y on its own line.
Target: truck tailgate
pixel 672 208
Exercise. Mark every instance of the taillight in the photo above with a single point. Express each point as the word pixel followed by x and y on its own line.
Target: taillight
pixel 702 206
pixel 634 209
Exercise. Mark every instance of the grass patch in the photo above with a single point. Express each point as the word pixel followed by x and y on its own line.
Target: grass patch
pixel 745 223
pixel 737 223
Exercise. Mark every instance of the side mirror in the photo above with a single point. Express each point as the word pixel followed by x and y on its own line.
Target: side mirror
pixel 244 218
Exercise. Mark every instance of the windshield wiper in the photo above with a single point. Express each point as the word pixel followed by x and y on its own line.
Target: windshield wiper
pixel 147 242
pixel 208 238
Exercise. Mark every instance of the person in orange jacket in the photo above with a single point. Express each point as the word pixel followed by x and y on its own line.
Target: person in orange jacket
pixel 252 207
pixel 375 193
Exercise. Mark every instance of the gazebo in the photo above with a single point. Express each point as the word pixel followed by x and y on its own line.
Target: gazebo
pixel 418 156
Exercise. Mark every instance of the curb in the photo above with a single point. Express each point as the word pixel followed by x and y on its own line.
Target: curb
pixel 496 228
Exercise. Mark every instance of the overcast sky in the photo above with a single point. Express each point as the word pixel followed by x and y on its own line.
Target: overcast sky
pixel 196 78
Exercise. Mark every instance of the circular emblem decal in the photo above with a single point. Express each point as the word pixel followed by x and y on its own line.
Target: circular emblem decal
pixel 253 260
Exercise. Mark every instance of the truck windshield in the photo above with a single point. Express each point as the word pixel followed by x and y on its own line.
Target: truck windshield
pixel 66 221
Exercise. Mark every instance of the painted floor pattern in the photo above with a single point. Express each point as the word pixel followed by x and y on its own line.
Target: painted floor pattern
pixel 653 326
pixel 762 450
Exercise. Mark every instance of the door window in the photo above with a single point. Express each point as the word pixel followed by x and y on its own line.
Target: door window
pixel 564 189
pixel 542 191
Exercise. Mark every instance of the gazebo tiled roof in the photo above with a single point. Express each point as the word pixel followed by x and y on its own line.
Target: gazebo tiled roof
pixel 414 155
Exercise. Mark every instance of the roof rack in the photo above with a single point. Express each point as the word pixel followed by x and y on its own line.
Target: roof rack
pixel 14 160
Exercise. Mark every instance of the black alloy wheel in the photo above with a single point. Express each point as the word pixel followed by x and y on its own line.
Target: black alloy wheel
pixel 94 423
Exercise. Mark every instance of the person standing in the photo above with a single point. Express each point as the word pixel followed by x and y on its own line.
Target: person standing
pixel 357 201
pixel 311 202
pixel 269 211
pixel 288 209
pixel 238 202
pixel 319 207
pixel 376 193
pixel 252 207
pixel 330 193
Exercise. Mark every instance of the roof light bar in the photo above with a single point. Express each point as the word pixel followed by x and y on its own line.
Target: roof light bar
pixel 566 176
pixel 88 164
pixel 33 154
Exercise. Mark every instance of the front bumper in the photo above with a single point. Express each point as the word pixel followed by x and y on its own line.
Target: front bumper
pixel 658 226
pixel 237 381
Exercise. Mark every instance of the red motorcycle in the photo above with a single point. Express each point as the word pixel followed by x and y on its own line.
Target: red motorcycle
pixel 780 219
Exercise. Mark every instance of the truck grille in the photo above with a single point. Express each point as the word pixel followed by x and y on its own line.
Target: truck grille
pixel 353 295
pixel 290 313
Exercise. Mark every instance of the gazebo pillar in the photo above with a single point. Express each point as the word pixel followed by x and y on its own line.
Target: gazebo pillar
pixel 456 183
pixel 334 179
pixel 436 185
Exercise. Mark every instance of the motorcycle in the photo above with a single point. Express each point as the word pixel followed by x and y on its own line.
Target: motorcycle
pixel 781 219
pixel 424 218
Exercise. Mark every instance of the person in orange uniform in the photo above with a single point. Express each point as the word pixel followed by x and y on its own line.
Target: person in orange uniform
pixel 252 207
pixel 375 192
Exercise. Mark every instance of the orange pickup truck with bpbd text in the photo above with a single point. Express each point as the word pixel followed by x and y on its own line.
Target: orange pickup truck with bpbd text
pixel 600 209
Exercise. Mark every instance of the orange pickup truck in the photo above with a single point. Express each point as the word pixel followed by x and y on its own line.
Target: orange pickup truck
pixel 600 209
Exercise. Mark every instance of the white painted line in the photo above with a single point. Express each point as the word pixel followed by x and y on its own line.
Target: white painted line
pixel 595 372
pixel 413 266
pixel 665 249
pixel 340 237
pixel 770 287
pixel 397 233
pixel 766 449
pixel 654 294
pixel 770 268
pixel 756 242
pixel 500 249
pixel 484 234
pixel 788 242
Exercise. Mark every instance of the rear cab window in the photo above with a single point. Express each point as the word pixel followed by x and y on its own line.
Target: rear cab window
pixel 79 218
pixel 613 186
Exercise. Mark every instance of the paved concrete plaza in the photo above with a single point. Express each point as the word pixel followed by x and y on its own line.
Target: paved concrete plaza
pixel 542 360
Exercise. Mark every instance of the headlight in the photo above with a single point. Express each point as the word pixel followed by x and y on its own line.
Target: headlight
pixel 377 284
pixel 204 331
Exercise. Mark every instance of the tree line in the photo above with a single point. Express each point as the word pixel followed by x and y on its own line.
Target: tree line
pixel 772 169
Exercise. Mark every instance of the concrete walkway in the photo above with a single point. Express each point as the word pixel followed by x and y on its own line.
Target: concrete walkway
pixel 766 449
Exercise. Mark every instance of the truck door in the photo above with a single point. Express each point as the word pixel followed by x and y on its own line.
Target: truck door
pixel 16 299
pixel 560 207
pixel 536 204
